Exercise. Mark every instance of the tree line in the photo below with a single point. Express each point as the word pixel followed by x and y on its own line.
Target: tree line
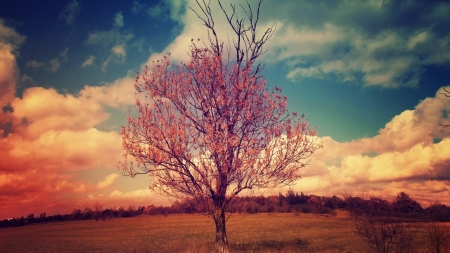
pixel 403 206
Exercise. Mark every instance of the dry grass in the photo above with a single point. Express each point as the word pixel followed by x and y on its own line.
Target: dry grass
pixel 188 233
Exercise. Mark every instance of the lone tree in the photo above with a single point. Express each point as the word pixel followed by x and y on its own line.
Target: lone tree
pixel 210 128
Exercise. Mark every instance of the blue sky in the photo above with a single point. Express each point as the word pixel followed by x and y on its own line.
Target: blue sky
pixel 366 73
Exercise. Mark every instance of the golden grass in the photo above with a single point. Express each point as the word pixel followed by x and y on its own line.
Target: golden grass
pixel 188 233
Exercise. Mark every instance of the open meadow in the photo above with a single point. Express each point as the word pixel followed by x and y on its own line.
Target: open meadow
pixel 273 232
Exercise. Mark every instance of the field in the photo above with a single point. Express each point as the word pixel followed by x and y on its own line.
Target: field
pixel 191 233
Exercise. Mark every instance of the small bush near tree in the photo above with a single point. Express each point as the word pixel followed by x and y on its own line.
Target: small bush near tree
pixel 439 237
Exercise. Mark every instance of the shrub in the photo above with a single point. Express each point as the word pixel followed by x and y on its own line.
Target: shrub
pixel 385 234
pixel 438 237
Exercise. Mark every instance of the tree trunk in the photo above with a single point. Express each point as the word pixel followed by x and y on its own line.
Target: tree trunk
pixel 221 244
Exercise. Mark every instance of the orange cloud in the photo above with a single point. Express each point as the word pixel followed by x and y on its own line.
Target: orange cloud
pixel 109 180
pixel 47 138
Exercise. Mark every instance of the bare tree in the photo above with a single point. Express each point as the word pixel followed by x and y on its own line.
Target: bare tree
pixel 210 129
pixel 439 237
pixel 98 208
pixel 447 94
pixel 385 234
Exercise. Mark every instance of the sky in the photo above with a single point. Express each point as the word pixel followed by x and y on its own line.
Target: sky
pixel 369 74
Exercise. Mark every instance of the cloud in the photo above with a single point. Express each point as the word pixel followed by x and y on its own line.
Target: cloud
pixel 10 41
pixel 10 36
pixel 70 12
pixel 404 156
pixel 387 60
pixel 55 63
pixel 88 62
pixel 350 45
pixel 115 40
pixel 52 65
pixel 109 180
pixel 119 94
pixel 362 42
pixel 118 19
pixel 105 63
pixel 55 138
pixel 119 51
pixel 34 64
pixel 163 10
pixel 137 7
pixel 158 10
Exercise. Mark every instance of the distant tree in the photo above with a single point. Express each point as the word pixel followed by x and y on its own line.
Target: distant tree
pixel 76 214
pixel 438 212
pixel 210 128
pixel 303 199
pixel 316 202
pixel 98 208
pixel 87 213
pixel 291 198
pixel 404 204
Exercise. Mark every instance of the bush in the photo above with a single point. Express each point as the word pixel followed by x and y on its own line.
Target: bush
pixel 306 209
pixel 385 234
pixel 438 237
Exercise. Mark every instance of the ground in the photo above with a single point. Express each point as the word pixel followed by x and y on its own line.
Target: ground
pixel 292 232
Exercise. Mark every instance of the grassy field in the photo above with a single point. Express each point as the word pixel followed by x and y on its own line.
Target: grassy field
pixel 191 233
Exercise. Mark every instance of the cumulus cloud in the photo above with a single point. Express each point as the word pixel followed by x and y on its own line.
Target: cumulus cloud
pixel 409 154
pixel 70 12
pixel 48 138
pixel 116 95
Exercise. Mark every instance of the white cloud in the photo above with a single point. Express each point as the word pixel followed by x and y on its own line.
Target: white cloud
pixel 121 93
pixel 88 62
pixel 402 157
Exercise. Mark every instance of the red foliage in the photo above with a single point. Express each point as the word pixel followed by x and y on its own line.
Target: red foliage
pixel 205 126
